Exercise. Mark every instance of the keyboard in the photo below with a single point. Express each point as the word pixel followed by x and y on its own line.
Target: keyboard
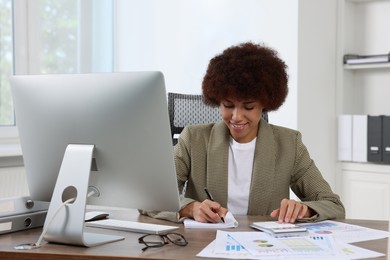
pixel 132 226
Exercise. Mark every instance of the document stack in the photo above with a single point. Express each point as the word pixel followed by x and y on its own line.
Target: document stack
pixel 366 59
pixel 364 138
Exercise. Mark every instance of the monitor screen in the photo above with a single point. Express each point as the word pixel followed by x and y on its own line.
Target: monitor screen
pixel 122 116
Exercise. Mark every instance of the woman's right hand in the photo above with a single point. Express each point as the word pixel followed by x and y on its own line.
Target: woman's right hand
pixel 206 211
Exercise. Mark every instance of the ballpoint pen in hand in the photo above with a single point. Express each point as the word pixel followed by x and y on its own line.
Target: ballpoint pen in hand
pixel 211 198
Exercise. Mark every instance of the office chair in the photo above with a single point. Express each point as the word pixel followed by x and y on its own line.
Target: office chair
pixel 189 109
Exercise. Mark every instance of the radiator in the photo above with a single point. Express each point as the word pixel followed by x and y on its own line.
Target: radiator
pixel 13 182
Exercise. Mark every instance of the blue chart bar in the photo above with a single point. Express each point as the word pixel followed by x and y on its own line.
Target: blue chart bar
pixel 232 245
pixel 237 248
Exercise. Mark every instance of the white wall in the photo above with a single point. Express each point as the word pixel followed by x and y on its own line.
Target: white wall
pixel 180 37
pixel 317 83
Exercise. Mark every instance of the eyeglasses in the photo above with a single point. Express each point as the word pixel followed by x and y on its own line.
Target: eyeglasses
pixel 160 240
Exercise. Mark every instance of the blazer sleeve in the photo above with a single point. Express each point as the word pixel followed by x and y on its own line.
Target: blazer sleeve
pixel 310 186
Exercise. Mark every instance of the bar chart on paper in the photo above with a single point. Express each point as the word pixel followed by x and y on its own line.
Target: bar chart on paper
pixel 225 246
pixel 232 245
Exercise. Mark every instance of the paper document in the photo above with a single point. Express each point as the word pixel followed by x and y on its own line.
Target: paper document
pixel 326 240
pixel 354 252
pixel 344 232
pixel 230 222
pixel 259 245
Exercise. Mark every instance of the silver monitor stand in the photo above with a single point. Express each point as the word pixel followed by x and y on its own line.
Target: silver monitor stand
pixel 65 224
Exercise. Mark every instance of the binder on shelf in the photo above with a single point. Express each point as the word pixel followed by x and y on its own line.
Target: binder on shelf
pixel 374 138
pixel 359 138
pixel 344 137
pixel 386 139
pixel 366 59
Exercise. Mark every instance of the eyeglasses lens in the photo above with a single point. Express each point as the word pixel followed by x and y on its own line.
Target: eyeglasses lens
pixel 177 239
pixel 154 240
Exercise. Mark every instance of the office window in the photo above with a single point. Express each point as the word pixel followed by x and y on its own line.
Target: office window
pixel 6 63
pixel 55 38
pixel 70 36
pixel 52 36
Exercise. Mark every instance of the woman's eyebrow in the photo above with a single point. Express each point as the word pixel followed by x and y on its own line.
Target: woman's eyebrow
pixel 249 102
pixel 244 102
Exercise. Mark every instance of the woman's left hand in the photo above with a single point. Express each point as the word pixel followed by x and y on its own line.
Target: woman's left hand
pixel 290 210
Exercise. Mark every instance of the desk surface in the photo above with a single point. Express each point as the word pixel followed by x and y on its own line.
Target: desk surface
pixel 130 249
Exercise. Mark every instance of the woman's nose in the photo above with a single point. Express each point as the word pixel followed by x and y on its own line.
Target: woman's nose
pixel 236 116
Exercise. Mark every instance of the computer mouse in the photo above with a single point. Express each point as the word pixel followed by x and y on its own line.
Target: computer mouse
pixel 95 215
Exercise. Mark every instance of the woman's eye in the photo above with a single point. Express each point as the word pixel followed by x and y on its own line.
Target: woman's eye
pixel 228 105
pixel 249 108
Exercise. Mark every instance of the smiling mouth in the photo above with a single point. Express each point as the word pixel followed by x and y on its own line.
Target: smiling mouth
pixel 238 126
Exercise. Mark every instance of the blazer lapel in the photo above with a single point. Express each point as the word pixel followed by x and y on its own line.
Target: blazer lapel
pixel 263 171
pixel 217 163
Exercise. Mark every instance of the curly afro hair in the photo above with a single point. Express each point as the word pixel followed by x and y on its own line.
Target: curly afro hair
pixel 246 71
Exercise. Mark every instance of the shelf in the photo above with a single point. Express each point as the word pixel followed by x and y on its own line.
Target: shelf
pixel 367 66
pixel 365 167
pixel 365 1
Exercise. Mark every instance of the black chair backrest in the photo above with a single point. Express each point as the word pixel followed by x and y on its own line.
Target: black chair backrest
pixel 189 109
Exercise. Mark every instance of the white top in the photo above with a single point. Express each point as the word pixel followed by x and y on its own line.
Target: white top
pixel 239 175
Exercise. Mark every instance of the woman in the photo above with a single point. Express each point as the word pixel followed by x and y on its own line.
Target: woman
pixel 247 164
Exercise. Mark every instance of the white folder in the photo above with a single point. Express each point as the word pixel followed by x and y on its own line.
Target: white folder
pixel 359 138
pixel 345 137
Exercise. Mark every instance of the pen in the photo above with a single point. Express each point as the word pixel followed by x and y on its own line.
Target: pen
pixel 211 198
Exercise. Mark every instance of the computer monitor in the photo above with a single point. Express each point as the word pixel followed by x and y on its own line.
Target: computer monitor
pixel 114 123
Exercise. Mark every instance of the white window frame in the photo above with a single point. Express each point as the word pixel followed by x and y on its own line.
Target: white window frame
pixel 9 134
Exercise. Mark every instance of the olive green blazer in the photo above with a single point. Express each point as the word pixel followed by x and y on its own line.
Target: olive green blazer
pixel 281 162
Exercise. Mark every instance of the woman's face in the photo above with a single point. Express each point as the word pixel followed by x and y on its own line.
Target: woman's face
pixel 242 118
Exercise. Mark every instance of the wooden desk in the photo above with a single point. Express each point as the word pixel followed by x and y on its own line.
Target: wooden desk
pixel 130 249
